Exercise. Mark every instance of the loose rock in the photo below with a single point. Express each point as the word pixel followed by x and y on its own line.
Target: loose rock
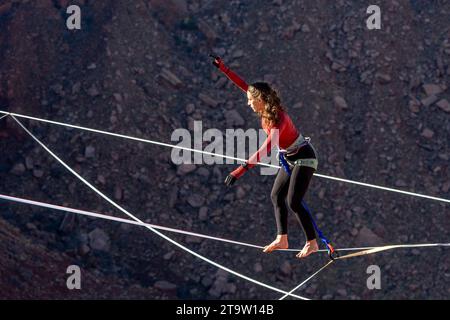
pixel 99 240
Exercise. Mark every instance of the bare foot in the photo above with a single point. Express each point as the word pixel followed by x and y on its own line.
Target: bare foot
pixel 310 247
pixel 281 242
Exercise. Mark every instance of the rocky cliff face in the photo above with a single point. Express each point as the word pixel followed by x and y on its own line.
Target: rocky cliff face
pixel 376 104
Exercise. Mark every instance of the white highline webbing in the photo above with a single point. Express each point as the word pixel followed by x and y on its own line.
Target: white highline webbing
pixel 112 218
pixel 223 156
pixel 309 278
pixel 150 228
pixel 367 252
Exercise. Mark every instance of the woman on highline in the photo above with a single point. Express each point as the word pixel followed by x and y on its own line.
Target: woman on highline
pixel 300 161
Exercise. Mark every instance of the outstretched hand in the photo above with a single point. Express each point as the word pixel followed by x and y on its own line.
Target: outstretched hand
pixel 230 180
pixel 217 61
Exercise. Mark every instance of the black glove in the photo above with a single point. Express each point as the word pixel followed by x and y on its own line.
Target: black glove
pixel 216 61
pixel 230 180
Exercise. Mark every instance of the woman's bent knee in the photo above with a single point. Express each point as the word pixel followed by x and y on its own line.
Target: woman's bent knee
pixel 277 198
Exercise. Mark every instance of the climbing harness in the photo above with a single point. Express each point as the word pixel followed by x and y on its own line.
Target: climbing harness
pixel 293 149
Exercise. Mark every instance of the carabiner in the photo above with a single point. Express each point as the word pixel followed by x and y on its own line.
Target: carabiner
pixel 332 254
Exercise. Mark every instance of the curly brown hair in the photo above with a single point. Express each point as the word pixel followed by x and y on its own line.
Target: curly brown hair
pixel 272 102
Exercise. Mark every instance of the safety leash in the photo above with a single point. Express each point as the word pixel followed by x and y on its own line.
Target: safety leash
pixel 332 254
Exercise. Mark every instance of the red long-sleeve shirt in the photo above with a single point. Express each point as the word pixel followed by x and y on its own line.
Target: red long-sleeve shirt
pixel 285 130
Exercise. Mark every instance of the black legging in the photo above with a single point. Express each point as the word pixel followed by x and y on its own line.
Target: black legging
pixel 293 188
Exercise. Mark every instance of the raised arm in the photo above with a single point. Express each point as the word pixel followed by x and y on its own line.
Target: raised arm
pixel 230 74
